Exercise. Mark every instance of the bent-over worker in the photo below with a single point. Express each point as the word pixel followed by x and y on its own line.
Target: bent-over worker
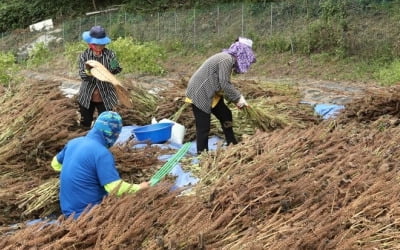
pixel 88 171
pixel 210 82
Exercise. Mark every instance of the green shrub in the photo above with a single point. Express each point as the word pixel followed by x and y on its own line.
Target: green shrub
pixel 141 58
pixel 319 37
pixel 8 68
pixel 390 74
pixel 72 51
pixel 277 44
pixel 173 45
pixel 133 57
pixel 118 29
pixel 40 54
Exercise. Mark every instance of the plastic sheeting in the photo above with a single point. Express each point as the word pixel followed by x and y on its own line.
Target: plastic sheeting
pixel 326 110
pixel 183 178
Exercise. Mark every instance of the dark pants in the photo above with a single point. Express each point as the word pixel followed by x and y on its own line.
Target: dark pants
pixel 87 114
pixel 203 123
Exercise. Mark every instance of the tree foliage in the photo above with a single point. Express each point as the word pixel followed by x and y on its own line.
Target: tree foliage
pixel 17 14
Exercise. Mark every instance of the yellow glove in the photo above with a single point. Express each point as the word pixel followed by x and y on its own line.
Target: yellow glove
pixel 87 71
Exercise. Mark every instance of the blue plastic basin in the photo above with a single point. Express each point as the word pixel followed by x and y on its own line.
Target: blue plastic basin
pixel 154 133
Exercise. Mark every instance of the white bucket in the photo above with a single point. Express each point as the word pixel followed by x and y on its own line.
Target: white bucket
pixel 177 133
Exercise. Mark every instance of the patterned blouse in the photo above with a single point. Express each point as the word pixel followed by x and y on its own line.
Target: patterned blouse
pixel 89 83
pixel 212 77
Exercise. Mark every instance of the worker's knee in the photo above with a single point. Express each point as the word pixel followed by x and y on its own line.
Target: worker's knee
pixel 227 124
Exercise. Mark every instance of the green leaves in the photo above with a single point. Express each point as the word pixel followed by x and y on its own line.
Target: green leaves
pixel 8 67
pixel 133 57
pixel 40 54
pixel 72 52
pixel 22 13
pixel 390 74
pixel 144 58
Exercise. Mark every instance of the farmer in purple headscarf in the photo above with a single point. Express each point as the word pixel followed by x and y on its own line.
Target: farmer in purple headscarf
pixel 211 82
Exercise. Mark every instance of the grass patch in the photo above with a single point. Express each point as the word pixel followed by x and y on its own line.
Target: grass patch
pixel 390 74
pixel 8 68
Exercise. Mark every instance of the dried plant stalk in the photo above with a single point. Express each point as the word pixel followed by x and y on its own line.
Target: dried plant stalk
pixel 40 197
pixel 262 120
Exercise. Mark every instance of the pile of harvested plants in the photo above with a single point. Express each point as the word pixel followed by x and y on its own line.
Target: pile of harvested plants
pixel 318 186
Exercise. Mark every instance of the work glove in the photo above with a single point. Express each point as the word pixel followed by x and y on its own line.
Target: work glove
pixel 242 102
pixel 144 185
pixel 114 64
pixel 87 69
pixel 87 72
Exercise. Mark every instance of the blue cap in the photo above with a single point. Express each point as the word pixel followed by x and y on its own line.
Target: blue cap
pixel 96 35
pixel 110 124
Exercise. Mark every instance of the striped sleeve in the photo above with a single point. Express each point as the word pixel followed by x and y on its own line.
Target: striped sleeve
pixel 107 91
pixel 212 76
pixel 224 76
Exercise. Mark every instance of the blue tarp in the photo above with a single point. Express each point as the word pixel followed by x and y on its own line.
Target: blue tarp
pixel 183 178
pixel 126 134
pixel 325 110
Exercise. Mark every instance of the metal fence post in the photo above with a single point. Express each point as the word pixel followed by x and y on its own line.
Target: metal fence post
pixel 217 22
pixel 63 34
pixel 194 27
pixel 242 19
pixel 109 22
pixel 80 25
pixel 125 25
pixel 271 26
pixel 158 26
pixel 176 20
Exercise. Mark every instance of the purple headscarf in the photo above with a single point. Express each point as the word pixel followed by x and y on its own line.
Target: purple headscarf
pixel 243 53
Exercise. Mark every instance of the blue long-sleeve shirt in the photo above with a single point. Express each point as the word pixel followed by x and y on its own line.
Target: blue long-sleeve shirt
pixel 87 165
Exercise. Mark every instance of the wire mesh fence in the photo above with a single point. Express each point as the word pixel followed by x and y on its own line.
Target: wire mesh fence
pixel 286 25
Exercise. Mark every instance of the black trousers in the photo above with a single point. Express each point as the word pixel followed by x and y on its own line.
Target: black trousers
pixel 87 114
pixel 203 123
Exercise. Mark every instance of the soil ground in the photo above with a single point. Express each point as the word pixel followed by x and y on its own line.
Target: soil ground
pixel 314 89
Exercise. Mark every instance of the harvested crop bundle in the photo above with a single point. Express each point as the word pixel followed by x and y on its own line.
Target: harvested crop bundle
pixel 43 197
pixel 261 119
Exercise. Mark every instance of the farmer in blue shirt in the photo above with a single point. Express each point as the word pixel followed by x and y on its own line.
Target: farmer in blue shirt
pixel 88 171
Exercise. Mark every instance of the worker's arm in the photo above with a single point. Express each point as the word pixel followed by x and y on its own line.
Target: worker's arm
pixel 55 164
pixel 124 187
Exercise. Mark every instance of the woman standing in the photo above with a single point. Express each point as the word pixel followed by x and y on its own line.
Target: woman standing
pixel 93 93
pixel 210 82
